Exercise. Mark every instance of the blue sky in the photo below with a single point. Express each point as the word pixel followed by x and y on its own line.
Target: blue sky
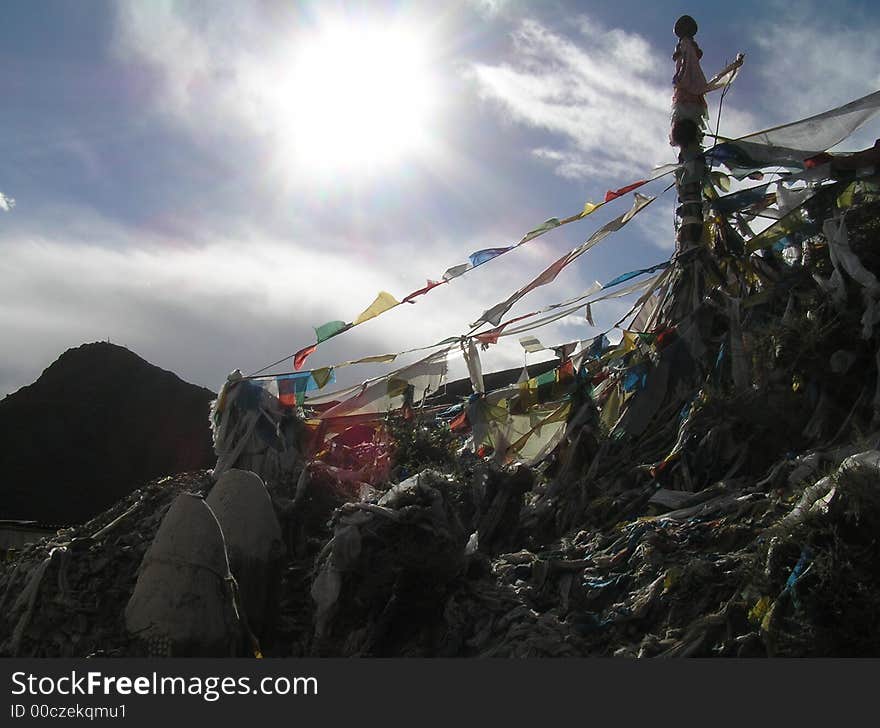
pixel 186 185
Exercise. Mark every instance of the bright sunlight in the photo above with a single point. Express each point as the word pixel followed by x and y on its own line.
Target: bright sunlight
pixel 362 96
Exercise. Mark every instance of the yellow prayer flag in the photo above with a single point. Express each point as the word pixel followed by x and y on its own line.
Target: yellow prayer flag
pixel 378 359
pixel 397 387
pixel 759 611
pixel 588 208
pixel 845 199
pixel 611 410
pixel 383 302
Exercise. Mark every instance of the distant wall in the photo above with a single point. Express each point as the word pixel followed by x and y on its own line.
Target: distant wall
pixel 16 536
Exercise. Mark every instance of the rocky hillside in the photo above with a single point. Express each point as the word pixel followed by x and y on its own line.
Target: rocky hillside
pixel 723 502
pixel 98 423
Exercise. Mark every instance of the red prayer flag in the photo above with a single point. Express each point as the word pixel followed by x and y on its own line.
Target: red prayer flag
pixel 422 291
pixel 817 161
pixel 300 357
pixel 614 194
pixel 460 424
pixel 565 372
pixel 490 337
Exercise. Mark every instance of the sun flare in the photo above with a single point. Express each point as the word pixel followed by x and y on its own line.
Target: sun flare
pixel 362 96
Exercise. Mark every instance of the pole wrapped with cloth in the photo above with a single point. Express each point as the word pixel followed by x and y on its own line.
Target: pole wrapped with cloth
pixel 689 114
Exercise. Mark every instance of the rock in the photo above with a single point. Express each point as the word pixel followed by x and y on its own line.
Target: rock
pixel 253 541
pixel 181 605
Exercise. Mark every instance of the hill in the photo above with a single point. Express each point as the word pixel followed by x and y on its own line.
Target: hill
pixel 98 423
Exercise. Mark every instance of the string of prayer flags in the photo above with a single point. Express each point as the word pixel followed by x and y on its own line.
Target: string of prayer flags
pixel 790 145
pixel 656 173
pixel 385 301
pixel 822 131
pixel 638 286
pixel 494 314
pixel 485 338
pixel 292 388
pixel 568 307
pixel 384 393
pixel 633 273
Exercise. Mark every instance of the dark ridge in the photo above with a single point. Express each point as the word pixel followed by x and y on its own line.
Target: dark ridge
pixel 460 389
pixel 98 423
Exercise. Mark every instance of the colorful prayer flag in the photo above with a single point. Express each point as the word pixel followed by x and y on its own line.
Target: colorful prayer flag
pixel 330 329
pixel 384 301
pixel 422 291
pixel 483 256
pixel 300 357
pixel 614 194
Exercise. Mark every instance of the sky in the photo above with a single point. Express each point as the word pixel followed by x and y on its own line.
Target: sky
pixel 205 182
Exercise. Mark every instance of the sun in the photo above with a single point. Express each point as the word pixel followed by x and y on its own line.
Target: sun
pixel 362 96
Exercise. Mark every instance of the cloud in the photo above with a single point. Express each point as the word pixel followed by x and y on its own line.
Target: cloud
pixel 605 97
pixel 200 288
pixel 6 203
pixel 813 61
pixel 656 223
pixel 211 66
pixel 248 299
pixel 491 8
pixel 242 300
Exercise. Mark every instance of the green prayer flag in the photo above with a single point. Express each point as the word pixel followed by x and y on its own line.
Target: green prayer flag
pixel 331 328
pixel 322 376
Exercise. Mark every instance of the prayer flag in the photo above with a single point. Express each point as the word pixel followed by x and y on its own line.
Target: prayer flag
pixel 323 376
pixel 531 344
pixel 422 291
pixel 544 227
pixel 292 388
pixel 330 329
pixel 384 301
pixel 483 256
pixel 614 194
pixel 300 357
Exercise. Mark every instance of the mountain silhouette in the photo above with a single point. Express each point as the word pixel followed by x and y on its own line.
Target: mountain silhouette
pixel 97 424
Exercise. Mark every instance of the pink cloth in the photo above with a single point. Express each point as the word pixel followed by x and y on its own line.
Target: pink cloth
pixel 689 81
